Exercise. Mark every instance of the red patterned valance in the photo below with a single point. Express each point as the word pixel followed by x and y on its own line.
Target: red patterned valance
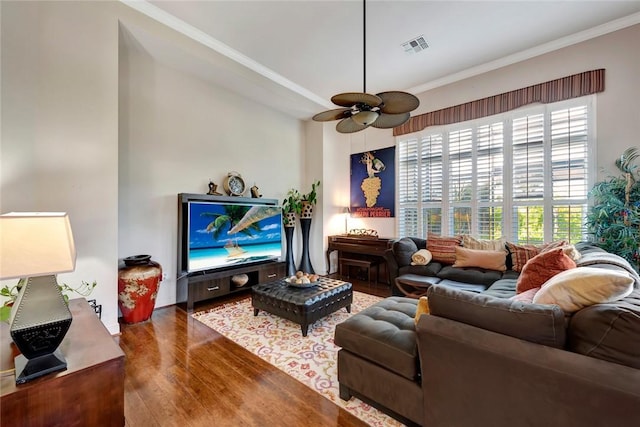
pixel 569 87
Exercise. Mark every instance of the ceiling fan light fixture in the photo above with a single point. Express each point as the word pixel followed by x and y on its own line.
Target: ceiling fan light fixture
pixel 361 109
pixel 365 118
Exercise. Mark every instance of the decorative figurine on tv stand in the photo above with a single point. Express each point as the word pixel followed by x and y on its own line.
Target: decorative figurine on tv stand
pixel 213 189
pixel 255 192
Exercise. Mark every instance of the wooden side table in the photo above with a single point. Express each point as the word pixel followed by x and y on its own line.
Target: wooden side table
pixel 89 392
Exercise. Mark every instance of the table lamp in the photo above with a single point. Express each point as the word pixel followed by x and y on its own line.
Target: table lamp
pixel 36 246
pixel 346 211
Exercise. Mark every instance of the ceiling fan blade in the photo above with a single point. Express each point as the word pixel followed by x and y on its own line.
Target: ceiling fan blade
pixel 387 121
pixel 350 99
pixel 327 116
pixel 348 125
pixel 396 102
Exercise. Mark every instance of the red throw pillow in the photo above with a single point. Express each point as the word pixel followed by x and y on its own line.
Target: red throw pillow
pixel 443 249
pixel 543 267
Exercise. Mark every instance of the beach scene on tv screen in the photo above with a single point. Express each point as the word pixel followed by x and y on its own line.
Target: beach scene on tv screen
pixel 223 235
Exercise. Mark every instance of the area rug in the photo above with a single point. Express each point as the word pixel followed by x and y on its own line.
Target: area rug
pixel 312 360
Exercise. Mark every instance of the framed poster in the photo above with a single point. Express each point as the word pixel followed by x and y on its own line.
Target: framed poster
pixel 373 183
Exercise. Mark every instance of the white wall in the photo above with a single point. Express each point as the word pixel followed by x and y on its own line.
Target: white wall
pixel 618 115
pixel 176 133
pixel 60 129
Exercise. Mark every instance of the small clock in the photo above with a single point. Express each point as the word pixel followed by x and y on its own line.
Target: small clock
pixel 234 184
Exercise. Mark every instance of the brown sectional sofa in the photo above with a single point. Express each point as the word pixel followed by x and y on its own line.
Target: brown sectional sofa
pixel 481 359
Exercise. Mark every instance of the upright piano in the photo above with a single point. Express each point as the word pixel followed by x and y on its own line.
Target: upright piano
pixel 350 246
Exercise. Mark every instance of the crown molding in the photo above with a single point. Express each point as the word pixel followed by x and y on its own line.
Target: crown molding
pixel 203 38
pixel 572 39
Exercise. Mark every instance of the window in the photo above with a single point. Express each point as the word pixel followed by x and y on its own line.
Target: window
pixel 523 175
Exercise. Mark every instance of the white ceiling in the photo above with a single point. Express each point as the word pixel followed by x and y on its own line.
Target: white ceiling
pixel 314 48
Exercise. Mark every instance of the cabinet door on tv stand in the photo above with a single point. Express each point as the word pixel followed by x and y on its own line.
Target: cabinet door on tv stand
pixel 271 272
pixel 200 290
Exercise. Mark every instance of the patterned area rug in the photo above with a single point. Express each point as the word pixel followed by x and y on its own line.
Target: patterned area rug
pixel 312 360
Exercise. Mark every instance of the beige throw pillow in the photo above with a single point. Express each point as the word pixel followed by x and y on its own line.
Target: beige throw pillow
pixel 580 287
pixel 487 245
pixel 421 257
pixel 490 260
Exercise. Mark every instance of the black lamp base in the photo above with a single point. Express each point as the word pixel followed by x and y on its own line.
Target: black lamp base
pixel 30 369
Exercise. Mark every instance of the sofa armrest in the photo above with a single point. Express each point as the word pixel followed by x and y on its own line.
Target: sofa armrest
pixel 471 376
pixel 392 265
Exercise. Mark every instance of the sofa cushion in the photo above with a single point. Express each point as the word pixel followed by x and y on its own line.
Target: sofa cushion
pixel 503 288
pixel 542 267
pixel 403 249
pixel 473 275
pixel 487 259
pixel 443 248
pixel 542 324
pixel 580 287
pixel 608 331
pixel 430 269
pixel 384 334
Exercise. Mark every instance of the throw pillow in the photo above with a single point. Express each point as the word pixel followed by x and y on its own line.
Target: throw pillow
pixel 403 249
pixel 487 245
pixel 580 287
pixel 422 308
pixel 421 257
pixel 490 260
pixel 520 254
pixel 443 249
pixel 542 324
pixel 543 267
pixel 526 296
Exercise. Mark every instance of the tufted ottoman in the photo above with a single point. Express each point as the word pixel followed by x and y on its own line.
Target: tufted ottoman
pixel 302 305
pixel 378 360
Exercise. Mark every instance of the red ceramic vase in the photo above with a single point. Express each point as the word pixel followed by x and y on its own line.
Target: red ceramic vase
pixel 138 281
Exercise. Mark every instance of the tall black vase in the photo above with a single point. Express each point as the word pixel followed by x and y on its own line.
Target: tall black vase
pixel 291 266
pixel 305 262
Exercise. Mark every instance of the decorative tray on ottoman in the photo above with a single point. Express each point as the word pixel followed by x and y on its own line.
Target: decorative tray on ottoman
pixel 300 285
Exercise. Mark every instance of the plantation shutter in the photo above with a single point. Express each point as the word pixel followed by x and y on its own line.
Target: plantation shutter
pixel 569 171
pixel 431 183
pixel 460 180
pixel 489 180
pixel 528 178
pixel 408 188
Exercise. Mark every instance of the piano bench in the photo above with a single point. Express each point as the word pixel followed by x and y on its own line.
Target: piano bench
pixel 362 263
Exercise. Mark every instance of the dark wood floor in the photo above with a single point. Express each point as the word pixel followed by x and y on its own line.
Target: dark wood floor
pixel 180 372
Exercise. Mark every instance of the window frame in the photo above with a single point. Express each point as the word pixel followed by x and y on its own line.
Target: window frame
pixel 507 203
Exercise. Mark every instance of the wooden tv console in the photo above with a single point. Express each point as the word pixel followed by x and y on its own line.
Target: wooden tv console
pixel 203 286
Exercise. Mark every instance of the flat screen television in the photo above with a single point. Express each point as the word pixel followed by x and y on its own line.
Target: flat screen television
pixel 226 232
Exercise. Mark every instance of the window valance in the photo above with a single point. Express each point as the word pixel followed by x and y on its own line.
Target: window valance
pixel 561 89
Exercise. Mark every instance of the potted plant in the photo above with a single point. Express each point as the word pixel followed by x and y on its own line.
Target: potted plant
pixel 614 218
pixel 308 201
pixel 291 206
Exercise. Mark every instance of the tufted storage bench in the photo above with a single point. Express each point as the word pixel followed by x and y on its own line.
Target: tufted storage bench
pixel 302 305
pixel 378 361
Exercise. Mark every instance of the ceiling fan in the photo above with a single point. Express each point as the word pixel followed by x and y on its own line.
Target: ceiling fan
pixel 384 110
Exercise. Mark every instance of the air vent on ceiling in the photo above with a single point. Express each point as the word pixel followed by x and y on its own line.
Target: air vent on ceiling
pixel 415 45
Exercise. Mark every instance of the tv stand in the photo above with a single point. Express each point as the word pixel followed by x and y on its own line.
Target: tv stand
pixel 206 285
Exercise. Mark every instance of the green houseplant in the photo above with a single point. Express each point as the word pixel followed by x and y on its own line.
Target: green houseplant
pixel 311 196
pixel 613 220
pixel 292 204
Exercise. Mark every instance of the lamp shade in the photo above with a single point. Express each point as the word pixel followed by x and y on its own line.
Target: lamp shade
pixel 35 244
